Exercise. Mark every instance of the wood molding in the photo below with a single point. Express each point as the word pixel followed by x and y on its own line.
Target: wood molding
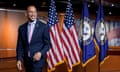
pixel 114 50
pixel 7 53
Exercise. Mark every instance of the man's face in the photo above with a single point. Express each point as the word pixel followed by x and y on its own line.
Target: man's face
pixel 31 13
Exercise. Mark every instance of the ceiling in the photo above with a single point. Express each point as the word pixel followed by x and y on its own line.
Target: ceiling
pixel 111 7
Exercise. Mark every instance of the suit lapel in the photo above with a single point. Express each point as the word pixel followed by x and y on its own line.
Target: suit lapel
pixel 26 32
pixel 35 31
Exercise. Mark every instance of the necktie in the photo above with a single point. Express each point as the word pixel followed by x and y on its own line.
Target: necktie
pixel 30 36
pixel 30 33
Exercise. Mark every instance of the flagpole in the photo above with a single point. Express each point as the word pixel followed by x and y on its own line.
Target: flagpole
pixel 84 68
pixel 99 58
pixel 100 45
pixel 82 38
pixel 83 43
pixel 100 41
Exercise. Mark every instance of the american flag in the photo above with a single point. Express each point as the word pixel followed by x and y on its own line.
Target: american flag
pixel 70 39
pixel 55 54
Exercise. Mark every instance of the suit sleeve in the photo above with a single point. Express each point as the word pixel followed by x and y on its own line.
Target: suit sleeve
pixel 46 39
pixel 19 50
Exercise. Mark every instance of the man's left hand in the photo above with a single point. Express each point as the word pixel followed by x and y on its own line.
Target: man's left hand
pixel 37 56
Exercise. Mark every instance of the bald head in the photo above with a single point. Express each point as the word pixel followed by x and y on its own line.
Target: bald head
pixel 31 13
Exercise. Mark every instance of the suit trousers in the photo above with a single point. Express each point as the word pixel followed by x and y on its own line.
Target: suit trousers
pixel 29 66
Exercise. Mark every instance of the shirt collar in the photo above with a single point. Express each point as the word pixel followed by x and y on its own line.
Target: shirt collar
pixel 34 22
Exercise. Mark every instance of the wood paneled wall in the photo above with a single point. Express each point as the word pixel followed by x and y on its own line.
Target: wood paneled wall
pixel 11 20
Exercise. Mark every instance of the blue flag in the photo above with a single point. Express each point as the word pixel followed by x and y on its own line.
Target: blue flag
pixel 100 34
pixel 86 37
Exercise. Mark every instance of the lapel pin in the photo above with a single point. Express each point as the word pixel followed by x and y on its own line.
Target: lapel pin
pixel 37 25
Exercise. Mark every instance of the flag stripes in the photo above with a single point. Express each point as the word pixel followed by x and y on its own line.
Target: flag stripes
pixel 55 54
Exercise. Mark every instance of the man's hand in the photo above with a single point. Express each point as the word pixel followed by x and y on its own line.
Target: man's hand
pixel 37 56
pixel 19 65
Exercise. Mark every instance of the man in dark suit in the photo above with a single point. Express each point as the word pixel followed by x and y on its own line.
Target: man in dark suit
pixel 33 43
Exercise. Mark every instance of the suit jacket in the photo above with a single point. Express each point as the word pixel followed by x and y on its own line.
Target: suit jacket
pixel 40 42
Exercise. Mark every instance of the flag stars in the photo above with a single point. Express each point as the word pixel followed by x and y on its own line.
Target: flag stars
pixel 69 19
pixel 52 20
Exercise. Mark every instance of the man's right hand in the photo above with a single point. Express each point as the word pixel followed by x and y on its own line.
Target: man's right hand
pixel 19 65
